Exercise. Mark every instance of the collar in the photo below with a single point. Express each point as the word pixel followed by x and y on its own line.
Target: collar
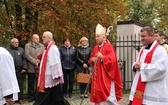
pixel 33 44
pixel 14 48
pixel 164 43
pixel 67 47
pixel 47 45
pixel 100 45
pixel 149 45
pixel 84 46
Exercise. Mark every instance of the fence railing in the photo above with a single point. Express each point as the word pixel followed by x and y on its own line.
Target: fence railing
pixel 127 48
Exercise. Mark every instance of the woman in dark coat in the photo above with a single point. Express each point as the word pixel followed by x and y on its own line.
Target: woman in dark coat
pixel 83 55
pixel 68 61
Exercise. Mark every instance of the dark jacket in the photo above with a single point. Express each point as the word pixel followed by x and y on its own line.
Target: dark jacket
pixel 18 57
pixel 68 57
pixel 83 55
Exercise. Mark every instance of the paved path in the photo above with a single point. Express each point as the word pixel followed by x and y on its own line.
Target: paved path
pixel 77 100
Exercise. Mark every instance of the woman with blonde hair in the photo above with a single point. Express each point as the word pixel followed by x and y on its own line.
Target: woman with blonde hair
pixel 83 55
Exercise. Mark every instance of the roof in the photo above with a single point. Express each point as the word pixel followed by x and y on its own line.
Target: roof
pixel 131 22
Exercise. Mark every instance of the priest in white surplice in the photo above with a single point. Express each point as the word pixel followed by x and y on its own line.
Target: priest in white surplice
pixel 8 83
pixel 50 74
pixel 150 85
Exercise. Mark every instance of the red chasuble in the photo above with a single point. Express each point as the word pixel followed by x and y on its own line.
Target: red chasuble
pixel 107 70
pixel 139 93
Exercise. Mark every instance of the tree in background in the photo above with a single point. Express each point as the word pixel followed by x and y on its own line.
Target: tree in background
pixel 149 12
pixel 64 18
pixel 75 18
pixel 17 20
pixel 162 8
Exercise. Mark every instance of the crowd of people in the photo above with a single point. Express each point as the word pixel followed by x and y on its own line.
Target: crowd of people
pixel 50 70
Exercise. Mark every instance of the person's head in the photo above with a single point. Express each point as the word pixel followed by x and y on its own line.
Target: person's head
pixel 14 42
pixel 159 36
pixel 83 42
pixel 35 38
pixel 166 37
pixel 147 35
pixel 100 34
pixel 47 37
pixel 66 42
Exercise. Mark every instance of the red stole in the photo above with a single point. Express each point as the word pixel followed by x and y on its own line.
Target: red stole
pixel 139 93
pixel 41 75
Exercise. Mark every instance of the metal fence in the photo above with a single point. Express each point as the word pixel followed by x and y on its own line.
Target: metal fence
pixel 127 48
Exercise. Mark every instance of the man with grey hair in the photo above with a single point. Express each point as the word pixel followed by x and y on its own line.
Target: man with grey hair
pixel 20 62
pixel 50 74
pixel 32 50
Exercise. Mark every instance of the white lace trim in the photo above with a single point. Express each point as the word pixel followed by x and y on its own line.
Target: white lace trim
pixel 152 98
pixel 56 72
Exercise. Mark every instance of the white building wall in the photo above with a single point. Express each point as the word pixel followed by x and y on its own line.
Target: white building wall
pixel 128 54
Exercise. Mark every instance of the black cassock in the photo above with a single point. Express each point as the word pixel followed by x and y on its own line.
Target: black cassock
pixel 51 96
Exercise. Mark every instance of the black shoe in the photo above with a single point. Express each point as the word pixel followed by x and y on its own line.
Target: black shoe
pixel 21 102
pixel 82 95
pixel 31 99
pixel 85 96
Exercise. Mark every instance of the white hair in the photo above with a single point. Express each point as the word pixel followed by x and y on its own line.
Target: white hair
pixel 12 40
pixel 49 34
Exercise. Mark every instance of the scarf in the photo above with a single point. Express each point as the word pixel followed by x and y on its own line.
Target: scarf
pixel 41 75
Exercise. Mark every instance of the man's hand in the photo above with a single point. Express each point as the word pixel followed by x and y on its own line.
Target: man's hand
pixel 57 79
pixel 23 71
pixel 9 100
pixel 37 62
pixel 137 66
pixel 94 59
pixel 99 55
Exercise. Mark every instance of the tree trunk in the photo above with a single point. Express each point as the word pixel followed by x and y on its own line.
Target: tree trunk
pixel 18 12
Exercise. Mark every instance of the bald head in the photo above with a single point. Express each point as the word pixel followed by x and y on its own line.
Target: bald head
pixel 35 38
